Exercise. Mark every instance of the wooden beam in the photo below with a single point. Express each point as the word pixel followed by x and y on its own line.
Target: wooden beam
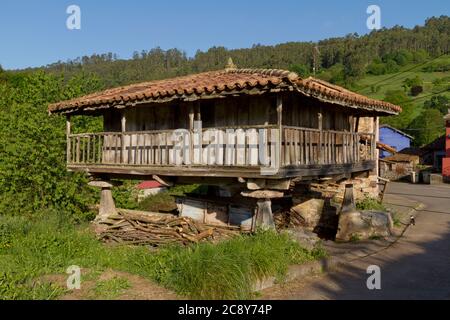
pixel 191 132
pixel 68 130
pixel 222 171
pixel 280 127
pixel 191 116
pixel 198 113
pixel 122 138
pixel 375 138
pixel 319 147
pixel 357 124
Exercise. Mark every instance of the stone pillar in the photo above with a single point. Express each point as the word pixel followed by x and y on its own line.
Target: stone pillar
pixel 264 217
pixel 348 203
pixel 107 205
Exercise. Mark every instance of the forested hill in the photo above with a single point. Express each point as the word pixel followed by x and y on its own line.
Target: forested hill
pixel 351 56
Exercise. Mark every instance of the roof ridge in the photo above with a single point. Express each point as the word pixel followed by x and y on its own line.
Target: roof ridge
pixel 292 76
pixel 330 85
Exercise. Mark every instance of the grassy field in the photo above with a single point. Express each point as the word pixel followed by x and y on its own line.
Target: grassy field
pixel 32 249
pixel 377 86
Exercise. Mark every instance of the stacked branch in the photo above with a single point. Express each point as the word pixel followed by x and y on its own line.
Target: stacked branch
pixel 285 219
pixel 138 228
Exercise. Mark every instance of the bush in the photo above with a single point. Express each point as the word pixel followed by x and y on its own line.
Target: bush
pixel 32 144
pixel 416 90
pixel 370 204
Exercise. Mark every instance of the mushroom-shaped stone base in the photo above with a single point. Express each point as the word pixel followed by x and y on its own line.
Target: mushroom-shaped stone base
pixel 107 205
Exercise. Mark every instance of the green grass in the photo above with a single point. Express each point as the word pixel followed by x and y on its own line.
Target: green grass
pixel 384 83
pixel 370 204
pixel 109 289
pixel 32 248
pixel 165 201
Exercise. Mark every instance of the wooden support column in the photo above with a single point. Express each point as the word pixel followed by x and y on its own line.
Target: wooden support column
pixel 122 137
pixel 198 112
pixel 352 139
pixel 280 126
pixel 191 132
pixel 357 124
pixel 319 147
pixel 375 138
pixel 68 129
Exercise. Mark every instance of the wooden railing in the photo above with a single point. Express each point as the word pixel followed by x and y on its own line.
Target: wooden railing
pixel 225 146
pixel 305 146
pixel 256 146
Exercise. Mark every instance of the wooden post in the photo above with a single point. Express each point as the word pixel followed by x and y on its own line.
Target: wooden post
pixel 191 132
pixel 352 139
pixel 357 124
pixel 122 137
pixel 280 125
pixel 68 124
pixel 319 148
pixel 375 138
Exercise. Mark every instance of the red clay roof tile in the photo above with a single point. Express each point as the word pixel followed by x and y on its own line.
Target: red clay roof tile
pixel 219 82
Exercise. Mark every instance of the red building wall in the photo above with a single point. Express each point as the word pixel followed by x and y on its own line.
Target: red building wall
pixel 446 160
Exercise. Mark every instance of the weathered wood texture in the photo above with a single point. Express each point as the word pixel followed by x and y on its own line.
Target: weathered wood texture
pixel 242 147
pixel 237 135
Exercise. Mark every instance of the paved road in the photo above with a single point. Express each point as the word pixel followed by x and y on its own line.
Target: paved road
pixel 416 267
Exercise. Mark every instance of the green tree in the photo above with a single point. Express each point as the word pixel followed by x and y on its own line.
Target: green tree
pixel 398 97
pixel 32 144
pixel 302 70
pixel 427 127
pixel 441 103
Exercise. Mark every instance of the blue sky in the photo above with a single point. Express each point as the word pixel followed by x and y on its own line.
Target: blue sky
pixel 34 33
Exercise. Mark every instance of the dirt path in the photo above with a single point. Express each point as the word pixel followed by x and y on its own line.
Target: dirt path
pixel 416 267
pixel 116 286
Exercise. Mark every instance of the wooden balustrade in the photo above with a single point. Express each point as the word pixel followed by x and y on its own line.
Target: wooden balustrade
pixel 256 146
pixel 305 146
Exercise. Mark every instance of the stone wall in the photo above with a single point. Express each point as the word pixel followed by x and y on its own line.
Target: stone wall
pixel 318 204
pixel 396 170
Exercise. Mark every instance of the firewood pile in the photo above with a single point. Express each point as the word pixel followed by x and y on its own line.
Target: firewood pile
pixel 285 219
pixel 135 228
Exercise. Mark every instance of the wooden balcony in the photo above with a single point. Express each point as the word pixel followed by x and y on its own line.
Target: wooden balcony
pixel 256 151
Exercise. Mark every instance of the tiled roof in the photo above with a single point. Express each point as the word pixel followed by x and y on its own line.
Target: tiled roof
pixel 220 83
pixel 152 184
pixel 336 94
pixel 401 157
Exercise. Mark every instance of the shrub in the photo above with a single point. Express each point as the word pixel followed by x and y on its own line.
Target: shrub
pixel 32 144
pixel 370 204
